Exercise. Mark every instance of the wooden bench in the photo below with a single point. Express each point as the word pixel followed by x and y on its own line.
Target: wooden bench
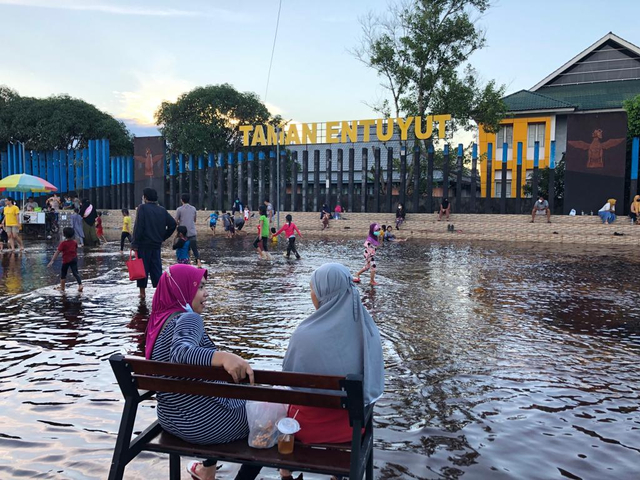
pixel 139 379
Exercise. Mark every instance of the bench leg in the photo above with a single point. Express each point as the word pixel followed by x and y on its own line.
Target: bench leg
pixel 369 474
pixel 121 451
pixel 174 466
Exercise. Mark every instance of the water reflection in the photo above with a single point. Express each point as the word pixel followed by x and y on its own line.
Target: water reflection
pixel 12 272
pixel 503 362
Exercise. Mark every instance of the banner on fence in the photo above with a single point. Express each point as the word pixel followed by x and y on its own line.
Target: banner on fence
pixel 149 155
pixel 595 160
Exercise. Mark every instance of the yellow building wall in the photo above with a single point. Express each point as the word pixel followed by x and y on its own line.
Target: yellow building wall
pixel 520 132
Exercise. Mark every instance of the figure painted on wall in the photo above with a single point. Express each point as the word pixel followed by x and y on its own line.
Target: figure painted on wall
pixel 149 171
pixel 595 149
pixel 149 160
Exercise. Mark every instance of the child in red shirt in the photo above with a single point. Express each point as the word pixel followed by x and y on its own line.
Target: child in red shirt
pixel 69 249
pixel 99 230
pixel 290 230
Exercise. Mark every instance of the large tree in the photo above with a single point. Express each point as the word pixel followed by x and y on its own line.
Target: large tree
pixel 58 122
pixel 206 119
pixel 421 50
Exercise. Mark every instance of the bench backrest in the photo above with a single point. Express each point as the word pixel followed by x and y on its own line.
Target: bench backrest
pixel 136 373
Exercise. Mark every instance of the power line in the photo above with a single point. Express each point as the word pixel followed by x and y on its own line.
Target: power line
pixel 273 49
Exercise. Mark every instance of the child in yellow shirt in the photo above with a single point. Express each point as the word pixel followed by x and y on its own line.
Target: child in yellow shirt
pixel 126 228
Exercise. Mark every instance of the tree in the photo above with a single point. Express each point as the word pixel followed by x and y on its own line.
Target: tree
pixel 206 119
pixel 55 122
pixel 543 182
pixel 421 51
pixel 58 122
pixel 632 106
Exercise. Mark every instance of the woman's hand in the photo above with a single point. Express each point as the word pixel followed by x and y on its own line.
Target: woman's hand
pixel 237 367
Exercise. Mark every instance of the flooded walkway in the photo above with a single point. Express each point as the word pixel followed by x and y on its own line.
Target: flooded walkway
pixel 509 361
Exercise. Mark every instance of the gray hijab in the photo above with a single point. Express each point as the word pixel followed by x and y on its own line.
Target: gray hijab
pixel 340 338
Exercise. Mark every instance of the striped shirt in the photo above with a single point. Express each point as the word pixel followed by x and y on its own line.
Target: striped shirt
pixel 195 419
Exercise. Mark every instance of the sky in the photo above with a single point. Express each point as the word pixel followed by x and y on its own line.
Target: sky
pixel 126 57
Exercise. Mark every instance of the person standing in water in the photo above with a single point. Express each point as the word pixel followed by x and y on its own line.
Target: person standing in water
pixel 261 243
pixel 69 250
pixel 290 229
pixel 126 228
pixel 99 230
pixel 186 215
pixel 152 227
pixel 370 245
pixel 76 224
pixel 11 224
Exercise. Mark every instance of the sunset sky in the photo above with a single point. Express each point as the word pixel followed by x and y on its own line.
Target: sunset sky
pixel 128 56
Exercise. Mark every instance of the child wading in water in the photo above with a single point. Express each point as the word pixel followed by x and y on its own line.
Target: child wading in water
pixel 213 221
pixel 247 215
pixel 69 249
pixel 370 253
pixel 261 243
pixel 126 228
pixel 290 230
pixel 181 245
pixel 99 230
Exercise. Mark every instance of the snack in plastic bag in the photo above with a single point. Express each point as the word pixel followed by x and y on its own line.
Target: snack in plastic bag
pixel 262 418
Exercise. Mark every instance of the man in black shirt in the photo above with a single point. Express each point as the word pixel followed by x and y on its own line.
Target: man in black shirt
pixel 153 226
pixel 445 209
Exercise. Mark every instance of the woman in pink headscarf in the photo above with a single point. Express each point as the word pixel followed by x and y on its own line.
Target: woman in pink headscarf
pixel 175 333
pixel 370 245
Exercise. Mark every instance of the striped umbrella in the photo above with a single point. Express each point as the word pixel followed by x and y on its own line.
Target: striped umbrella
pixel 21 182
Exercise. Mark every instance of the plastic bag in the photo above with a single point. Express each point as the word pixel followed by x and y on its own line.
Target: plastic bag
pixel 262 418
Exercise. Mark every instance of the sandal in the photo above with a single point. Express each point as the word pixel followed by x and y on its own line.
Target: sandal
pixel 191 470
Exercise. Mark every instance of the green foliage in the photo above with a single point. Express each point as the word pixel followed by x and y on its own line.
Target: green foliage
pixel 206 119
pixel 421 51
pixel 543 182
pixel 58 122
pixel 632 106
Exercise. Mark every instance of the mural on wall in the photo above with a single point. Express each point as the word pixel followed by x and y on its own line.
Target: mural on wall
pixel 595 160
pixel 149 155
pixel 595 149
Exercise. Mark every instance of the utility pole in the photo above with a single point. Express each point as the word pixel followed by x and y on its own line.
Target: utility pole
pixel 278 175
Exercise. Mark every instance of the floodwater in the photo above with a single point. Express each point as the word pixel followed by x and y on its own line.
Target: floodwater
pixel 503 361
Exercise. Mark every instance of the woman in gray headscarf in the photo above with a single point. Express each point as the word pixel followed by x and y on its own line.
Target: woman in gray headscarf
pixel 340 338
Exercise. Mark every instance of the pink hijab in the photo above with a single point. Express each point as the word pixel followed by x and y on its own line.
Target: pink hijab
pixel 175 289
pixel 372 237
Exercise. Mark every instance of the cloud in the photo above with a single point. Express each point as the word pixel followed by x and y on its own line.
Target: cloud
pixel 141 130
pixel 274 109
pixel 114 9
pixel 154 87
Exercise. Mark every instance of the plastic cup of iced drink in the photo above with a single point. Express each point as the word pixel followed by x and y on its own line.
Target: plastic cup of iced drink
pixel 287 428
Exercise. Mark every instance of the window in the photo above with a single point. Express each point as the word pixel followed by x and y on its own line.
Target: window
pixel 528 180
pixel 505 135
pixel 536 134
pixel 498 183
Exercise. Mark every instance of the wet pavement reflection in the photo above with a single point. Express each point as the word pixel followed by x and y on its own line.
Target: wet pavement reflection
pixel 508 361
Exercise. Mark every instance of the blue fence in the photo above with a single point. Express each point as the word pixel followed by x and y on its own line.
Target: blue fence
pixel 87 172
pixel 353 177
